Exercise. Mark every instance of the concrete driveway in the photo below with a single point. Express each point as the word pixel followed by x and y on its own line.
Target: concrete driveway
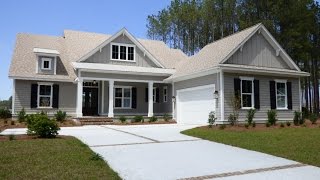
pixel 161 152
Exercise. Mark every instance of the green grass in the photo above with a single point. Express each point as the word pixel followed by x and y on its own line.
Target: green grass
pixel 60 158
pixel 299 144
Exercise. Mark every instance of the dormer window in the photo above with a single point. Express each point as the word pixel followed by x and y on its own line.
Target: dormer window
pixel 122 52
pixel 46 63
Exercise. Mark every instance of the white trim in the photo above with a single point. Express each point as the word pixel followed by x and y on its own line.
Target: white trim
pixel 55 65
pixel 123 31
pixel 43 59
pixel 281 80
pixel 121 80
pixel 286 94
pixel 111 95
pixel 13 95
pixel 150 98
pixel 79 96
pixel 39 95
pixel 40 79
pixel 165 95
pixel 45 51
pixel 246 78
pixel 252 91
pixel 221 95
pixel 102 97
pixel 127 52
pixel 122 98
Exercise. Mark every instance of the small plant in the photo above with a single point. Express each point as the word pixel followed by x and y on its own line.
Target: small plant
pixel 303 125
pixel 250 115
pixel 12 137
pixel 5 113
pixel 288 123
pixel 153 119
pixel 42 126
pixel 272 117
pixel 222 126
pixel 246 125
pixel 96 157
pixel 313 118
pixel 138 119
pixel 5 121
pixel 12 123
pixel 232 119
pixel 123 119
pixel 212 118
pixel 166 117
pixel 253 124
pixel 22 115
pixel 268 124
pixel 297 119
pixel 60 116
pixel 282 125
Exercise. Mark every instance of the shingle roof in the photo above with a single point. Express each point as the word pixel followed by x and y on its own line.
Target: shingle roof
pixel 212 54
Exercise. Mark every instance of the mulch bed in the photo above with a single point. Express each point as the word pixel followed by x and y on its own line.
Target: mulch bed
pixel 23 137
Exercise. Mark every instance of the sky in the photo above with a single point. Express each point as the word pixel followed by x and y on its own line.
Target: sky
pixel 52 17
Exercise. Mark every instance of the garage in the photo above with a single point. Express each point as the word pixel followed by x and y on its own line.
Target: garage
pixel 195 104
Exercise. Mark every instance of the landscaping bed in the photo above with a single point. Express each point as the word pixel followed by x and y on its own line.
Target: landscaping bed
pixel 299 143
pixel 29 157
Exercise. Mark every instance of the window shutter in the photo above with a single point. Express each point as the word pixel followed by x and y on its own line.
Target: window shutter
pixel 55 96
pixel 157 95
pixel 34 96
pixel 273 94
pixel 289 94
pixel 146 95
pixel 256 94
pixel 237 90
pixel 134 98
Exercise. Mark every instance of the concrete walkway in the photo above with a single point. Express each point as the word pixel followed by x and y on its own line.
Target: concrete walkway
pixel 161 152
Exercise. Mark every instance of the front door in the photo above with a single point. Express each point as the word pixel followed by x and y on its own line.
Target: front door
pixel 90 101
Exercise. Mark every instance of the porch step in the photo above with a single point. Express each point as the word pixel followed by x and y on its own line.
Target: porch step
pixel 95 120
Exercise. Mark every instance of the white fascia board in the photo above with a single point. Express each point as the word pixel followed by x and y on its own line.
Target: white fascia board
pixel 45 51
pixel 40 79
pixel 119 69
pixel 193 75
pixel 262 70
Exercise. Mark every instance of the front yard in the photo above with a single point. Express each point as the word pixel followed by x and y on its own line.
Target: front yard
pixel 59 158
pixel 301 144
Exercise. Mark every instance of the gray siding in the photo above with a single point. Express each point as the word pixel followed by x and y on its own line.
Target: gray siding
pixel 41 71
pixel 201 81
pixel 261 114
pixel 258 52
pixel 104 55
pixel 123 76
pixel 67 97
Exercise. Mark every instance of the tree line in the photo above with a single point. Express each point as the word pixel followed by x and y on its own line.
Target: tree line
pixel 189 25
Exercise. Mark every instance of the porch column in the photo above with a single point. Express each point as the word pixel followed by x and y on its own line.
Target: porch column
pixel 111 87
pixel 79 98
pixel 150 99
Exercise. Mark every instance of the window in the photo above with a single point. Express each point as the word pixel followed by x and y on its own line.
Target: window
pixel 247 98
pixel 44 95
pixel 154 97
pixel 165 94
pixel 281 95
pixel 46 63
pixel 122 52
pixel 122 97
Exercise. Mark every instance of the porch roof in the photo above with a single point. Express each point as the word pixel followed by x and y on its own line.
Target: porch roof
pixel 118 69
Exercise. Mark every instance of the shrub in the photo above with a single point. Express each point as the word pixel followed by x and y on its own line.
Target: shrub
pixel 123 119
pixel 222 126
pixel 22 115
pixel 96 157
pixel 253 124
pixel 153 119
pixel 12 123
pixel 250 115
pixel 212 118
pixel 313 118
pixel 42 126
pixel 246 125
pixel 12 137
pixel 303 125
pixel 288 123
pixel 272 117
pixel 138 119
pixel 282 124
pixel 268 124
pixel 166 117
pixel 5 121
pixel 60 116
pixel 305 113
pixel 5 113
pixel 232 119
pixel 297 119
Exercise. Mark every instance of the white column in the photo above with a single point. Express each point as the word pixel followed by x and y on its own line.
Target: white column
pixel 13 95
pixel 173 103
pixel 150 99
pixel 79 98
pixel 111 88
pixel 102 97
pixel 221 96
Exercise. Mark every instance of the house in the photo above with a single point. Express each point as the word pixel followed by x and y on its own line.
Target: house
pixel 90 74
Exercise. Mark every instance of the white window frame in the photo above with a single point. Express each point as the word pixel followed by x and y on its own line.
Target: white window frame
pixel 43 59
pixel 283 81
pixel 51 94
pixel 165 94
pixel 127 52
pixel 252 92
pixel 154 94
pixel 122 98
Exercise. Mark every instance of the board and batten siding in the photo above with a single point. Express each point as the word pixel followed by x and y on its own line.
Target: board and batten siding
pixel 264 81
pixel 67 97
pixel 104 56
pixel 257 52
pixel 200 81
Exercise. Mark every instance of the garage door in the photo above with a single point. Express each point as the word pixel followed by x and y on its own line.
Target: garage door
pixel 195 104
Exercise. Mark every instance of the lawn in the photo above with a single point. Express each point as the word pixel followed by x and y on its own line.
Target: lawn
pixel 59 158
pixel 301 144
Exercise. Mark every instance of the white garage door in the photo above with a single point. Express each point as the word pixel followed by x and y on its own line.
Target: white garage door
pixel 195 104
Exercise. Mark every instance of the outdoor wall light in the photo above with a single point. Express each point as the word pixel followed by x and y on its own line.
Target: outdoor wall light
pixel 173 99
pixel 216 95
pixel 94 82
